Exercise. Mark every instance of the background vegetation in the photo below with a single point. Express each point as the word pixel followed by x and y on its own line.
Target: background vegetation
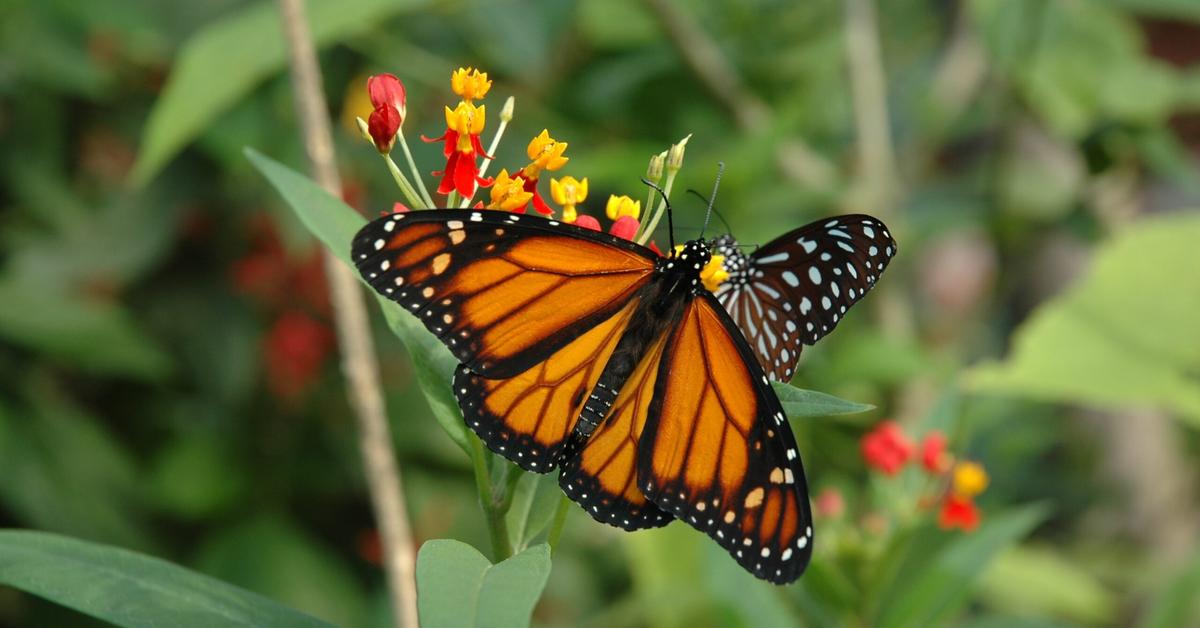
pixel 168 378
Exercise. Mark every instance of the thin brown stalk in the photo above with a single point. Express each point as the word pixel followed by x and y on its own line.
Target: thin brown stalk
pixel 359 363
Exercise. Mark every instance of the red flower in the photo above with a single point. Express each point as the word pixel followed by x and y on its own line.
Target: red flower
pixel 886 448
pixel 296 348
pixel 587 222
pixel 625 227
pixel 933 453
pixel 388 99
pixel 958 513
pixel 462 147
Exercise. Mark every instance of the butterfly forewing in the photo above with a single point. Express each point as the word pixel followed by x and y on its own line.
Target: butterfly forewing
pixel 717 451
pixel 797 288
pixel 503 291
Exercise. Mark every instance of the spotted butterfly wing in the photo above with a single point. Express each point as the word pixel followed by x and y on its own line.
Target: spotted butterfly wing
pixel 794 290
pixel 593 355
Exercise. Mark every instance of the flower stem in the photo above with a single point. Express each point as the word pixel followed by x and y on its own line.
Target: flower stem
pixel 494 506
pixel 662 206
pixel 414 199
pixel 412 166
pixel 452 198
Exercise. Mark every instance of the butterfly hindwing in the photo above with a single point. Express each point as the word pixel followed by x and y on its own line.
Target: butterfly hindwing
pixel 797 288
pixel 503 291
pixel 602 478
pixel 528 418
pixel 717 451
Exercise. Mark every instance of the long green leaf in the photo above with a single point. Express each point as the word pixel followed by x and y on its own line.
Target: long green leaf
pixel 130 589
pixel 225 60
pixel 931 586
pixel 457 586
pixel 800 403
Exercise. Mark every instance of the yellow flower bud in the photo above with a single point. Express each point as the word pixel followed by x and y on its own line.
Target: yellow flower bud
pixel 508 193
pixel 506 114
pixel 622 206
pixel 568 191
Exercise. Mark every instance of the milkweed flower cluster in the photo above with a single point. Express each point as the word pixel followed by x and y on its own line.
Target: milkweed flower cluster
pixel 512 189
pixel 887 449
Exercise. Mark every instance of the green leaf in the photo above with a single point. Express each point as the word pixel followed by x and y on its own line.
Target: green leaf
pixel 335 224
pixel 457 586
pixel 225 60
pixel 535 499
pixel 800 403
pixel 1039 582
pixel 930 585
pixel 1124 335
pixel 270 554
pixel 97 336
pixel 130 589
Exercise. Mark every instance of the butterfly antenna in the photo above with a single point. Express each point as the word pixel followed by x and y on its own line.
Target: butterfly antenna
pixel 670 221
pixel 713 209
pixel 713 198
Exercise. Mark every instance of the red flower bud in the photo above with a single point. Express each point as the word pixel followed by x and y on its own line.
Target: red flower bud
pixel 625 227
pixel 830 503
pixel 383 125
pixel 587 222
pixel 386 89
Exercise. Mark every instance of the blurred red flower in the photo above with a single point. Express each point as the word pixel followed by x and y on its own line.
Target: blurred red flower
pixel 296 348
pixel 887 448
pixel 960 513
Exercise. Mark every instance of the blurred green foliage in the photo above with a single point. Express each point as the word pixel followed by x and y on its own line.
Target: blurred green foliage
pixel 150 396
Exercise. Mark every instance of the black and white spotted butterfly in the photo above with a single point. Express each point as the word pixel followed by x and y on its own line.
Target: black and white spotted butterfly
pixel 794 290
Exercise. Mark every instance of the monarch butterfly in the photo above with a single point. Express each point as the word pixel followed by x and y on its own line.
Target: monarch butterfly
pixel 591 354
pixel 795 289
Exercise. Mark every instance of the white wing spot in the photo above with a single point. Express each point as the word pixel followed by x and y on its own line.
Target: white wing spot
pixel 814 274
pixel 791 278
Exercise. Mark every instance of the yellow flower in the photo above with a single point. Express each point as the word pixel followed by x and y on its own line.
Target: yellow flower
pixel 622 206
pixel 713 274
pixel 466 120
pixel 969 479
pixel 470 83
pixel 545 153
pixel 568 192
pixel 508 193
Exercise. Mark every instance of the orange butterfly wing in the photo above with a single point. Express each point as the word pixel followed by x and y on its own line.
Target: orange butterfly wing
pixel 602 478
pixel 717 451
pixel 502 293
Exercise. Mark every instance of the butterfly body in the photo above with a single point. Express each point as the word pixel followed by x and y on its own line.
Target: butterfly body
pixel 588 354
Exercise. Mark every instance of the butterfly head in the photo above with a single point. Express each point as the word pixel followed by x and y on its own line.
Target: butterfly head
pixel 689 260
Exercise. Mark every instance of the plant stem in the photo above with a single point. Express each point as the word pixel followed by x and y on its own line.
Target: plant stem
pixel 662 206
pixel 412 166
pixel 359 363
pixel 493 505
pixel 414 200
